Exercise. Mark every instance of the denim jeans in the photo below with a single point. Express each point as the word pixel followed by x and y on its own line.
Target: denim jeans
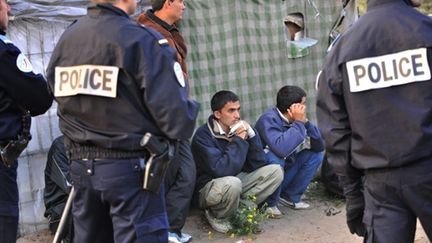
pixel 298 173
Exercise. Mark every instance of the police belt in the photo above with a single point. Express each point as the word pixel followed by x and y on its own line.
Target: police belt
pixel 80 151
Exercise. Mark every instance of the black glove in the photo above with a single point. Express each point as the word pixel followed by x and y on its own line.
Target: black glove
pixel 354 212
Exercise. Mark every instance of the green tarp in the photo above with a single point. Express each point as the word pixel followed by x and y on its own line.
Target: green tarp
pixel 240 45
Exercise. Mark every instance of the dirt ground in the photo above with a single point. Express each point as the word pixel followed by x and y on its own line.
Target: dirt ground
pixel 324 222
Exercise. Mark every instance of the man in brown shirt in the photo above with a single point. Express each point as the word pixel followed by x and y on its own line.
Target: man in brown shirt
pixel 180 177
pixel 163 17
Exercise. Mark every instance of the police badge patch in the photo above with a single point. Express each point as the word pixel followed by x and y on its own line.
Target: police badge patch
pixel 24 64
pixel 179 74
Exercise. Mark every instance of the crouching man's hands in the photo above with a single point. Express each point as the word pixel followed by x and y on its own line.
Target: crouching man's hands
pixel 242 129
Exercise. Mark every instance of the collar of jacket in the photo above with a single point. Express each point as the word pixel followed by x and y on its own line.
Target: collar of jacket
pixel 106 7
pixel 152 16
pixel 214 130
pixel 285 122
pixel 374 3
pixel 2 32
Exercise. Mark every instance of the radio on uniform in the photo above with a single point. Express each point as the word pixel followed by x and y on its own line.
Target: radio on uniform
pixel 86 79
pixel 388 70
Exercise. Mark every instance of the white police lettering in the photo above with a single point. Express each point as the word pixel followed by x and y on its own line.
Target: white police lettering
pixel 86 79
pixel 388 70
pixel 179 74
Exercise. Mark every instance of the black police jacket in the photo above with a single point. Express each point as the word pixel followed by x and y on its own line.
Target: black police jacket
pixel 374 93
pixel 115 80
pixel 20 89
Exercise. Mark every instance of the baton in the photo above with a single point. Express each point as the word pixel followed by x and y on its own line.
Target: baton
pixel 64 216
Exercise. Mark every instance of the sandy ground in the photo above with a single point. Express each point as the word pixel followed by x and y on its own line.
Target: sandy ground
pixel 324 222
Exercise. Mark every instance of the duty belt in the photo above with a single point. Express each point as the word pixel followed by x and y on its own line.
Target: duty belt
pixel 92 152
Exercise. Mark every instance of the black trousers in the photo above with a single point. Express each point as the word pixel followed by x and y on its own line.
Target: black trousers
pixel 8 203
pixel 394 199
pixel 180 183
pixel 111 206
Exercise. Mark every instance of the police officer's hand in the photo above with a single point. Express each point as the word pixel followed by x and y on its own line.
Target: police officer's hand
pixel 297 112
pixel 354 212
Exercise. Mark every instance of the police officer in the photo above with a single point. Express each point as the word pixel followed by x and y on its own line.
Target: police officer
pixel 375 113
pixel 115 81
pixel 181 175
pixel 21 90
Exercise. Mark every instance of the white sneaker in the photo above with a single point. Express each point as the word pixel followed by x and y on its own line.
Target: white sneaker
pixel 175 238
pixel 219 225
pixel 185 237
pixel 298 205
pixel 274 212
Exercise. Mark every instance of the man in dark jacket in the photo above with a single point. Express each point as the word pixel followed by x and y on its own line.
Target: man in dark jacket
pixel 21 91
pixel 375 113
pixel 231 163
pixel 181 175
pixel 114 82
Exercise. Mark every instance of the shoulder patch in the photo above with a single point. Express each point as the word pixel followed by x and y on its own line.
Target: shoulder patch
pixel 179 74
pixel 24 64
pixel 388 70
pixel 5 39
pixel 317 79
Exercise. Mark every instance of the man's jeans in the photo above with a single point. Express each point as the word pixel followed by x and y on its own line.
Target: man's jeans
pixel 297 175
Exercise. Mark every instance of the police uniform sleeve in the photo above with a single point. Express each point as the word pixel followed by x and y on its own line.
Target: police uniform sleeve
pixel 334 123
pixel 28 89
pixel 166 90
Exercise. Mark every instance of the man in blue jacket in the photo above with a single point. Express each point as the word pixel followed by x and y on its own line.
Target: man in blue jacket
pixel 231 163
pixel 293 142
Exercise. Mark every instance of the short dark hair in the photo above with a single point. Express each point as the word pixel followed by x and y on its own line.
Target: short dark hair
pixel 157 4
pixel 222 97
pixel 287 96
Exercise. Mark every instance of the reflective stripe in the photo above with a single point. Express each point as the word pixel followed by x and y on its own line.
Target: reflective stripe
pixel 163 41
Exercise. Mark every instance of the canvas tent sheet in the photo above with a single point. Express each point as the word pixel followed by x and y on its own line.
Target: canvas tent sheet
pixel 241 46
pixel 237 45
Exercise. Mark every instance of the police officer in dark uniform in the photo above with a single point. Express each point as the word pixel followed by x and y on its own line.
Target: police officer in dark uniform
pixel 181 175
pixel 115 81
pixel 21 91
pixel 375 113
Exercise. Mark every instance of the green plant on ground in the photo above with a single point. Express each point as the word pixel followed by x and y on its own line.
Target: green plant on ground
pixel 247 219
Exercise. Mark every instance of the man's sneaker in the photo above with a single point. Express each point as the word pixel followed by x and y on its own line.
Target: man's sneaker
pixel 274 212
pixel 219 225
pixel 185 237
pixel 175 238
pixel 299 205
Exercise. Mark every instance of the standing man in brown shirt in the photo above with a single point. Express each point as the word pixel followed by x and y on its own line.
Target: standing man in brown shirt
pixel 180 177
